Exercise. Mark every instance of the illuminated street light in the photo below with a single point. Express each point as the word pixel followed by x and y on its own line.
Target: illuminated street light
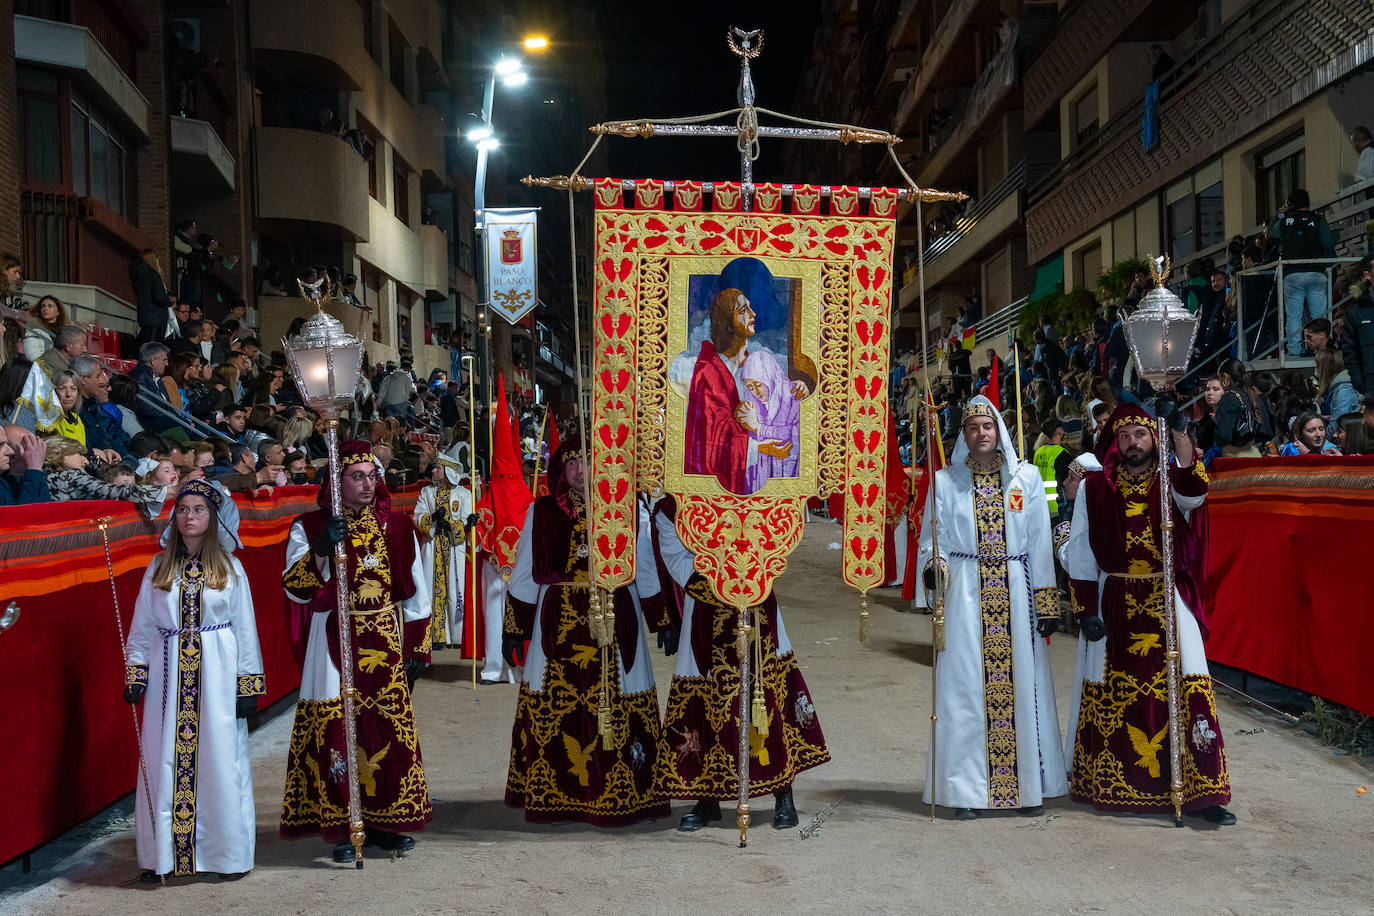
pixel 478 134
pixel 487 144
pixel 508 65
pixel 518 78
pixel 536 43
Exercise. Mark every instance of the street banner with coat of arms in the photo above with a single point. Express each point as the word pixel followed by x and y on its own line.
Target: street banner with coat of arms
pixel 511 266
pixel 740 363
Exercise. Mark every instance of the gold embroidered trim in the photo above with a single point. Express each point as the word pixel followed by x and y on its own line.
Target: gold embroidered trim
pixel 136 674
pixel 186 746
pixel 252 685
pixel 1047 603
pixel 834 374
pixel 303 577
pixel 650 459
pixel 994 599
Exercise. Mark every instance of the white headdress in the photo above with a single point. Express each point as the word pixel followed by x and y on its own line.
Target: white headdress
pixel 980 406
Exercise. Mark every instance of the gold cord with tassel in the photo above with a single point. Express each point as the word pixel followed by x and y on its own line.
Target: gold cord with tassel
pixel 759 709
pixel 863 616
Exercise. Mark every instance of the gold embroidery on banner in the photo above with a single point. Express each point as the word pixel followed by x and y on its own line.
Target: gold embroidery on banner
pixel 653 373
pixel 834 374
pixel 443 569
pixel 994 599
pixel 713 529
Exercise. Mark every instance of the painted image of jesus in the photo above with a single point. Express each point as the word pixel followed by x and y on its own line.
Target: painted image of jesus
pixel 743 422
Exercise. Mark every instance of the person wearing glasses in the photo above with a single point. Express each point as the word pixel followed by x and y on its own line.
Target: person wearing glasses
pixel 389 609
pixel 195 664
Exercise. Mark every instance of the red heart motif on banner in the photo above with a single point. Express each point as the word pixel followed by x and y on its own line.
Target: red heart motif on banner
pixel 608 549
pixel 616 382
pixel 859 497
pixel 616 439
pixel 863 549
pixel 615 327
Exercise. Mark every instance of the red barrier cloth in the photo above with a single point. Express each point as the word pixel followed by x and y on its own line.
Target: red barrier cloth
pixel 71 751
pixel 1289 541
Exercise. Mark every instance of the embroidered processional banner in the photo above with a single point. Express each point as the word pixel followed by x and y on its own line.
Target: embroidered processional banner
pixel 740 363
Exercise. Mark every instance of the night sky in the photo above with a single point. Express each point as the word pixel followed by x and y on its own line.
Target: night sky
pixel 669 59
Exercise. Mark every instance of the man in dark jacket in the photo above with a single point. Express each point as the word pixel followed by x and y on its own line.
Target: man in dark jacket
pixel 1357 346
pixel 104 426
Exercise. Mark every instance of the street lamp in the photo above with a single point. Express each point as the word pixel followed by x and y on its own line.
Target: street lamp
pixel 326 362
pixel 1160 334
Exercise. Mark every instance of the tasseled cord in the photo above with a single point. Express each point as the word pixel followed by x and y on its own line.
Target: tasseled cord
pixel 863 616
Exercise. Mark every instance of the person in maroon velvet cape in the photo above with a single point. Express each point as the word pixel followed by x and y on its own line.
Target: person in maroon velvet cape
pixel 391 645
pixel 721 427
pixel 562 767
pixel 1120 739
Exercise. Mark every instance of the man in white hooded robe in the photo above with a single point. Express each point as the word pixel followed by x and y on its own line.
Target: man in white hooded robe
pixel 997 743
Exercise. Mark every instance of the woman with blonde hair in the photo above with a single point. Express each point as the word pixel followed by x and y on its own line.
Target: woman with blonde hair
pixel 193 653
pixel 1335 392
pixel 297 433
pixel 150 295
pixel 51 316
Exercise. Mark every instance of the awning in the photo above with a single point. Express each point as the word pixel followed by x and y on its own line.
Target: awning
pixel 1049 278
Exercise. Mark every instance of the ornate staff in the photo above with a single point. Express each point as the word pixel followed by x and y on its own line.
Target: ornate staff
pixel 326 362
pixel 538 450
pixel 1016 380
pixel 937 611
pixel 1160 333
pixel 476 479
pixel 12 614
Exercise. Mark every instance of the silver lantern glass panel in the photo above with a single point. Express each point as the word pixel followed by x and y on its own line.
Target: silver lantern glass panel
pixel 326 362
pixel 1160 334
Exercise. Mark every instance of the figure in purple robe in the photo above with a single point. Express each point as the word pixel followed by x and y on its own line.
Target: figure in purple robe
pixel 779 413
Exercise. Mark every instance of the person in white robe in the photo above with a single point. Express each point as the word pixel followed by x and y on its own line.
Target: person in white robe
pixel 441 513
pixel 997 742
pixel 194 661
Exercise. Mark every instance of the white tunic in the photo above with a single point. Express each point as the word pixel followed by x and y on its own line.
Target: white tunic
pixel 459 508
pixel 964 753
pixel 319 674
pixel 225 833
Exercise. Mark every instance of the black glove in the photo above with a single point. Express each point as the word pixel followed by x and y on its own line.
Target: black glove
pixel 668 639
pixel 134 692
pixel 414 667
pixel 510 650
pixel 1166 408
pixel 1093 628
pixel 1049 626
pixel 440 523
pixel 471 521
pixel 246 707
pixel 333 532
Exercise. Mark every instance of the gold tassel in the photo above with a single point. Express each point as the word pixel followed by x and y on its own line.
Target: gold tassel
pixel 759 709
pixel 863 617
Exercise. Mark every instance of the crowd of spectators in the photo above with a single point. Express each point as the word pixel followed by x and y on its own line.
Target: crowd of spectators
pixel 1070 383
pixel 202 400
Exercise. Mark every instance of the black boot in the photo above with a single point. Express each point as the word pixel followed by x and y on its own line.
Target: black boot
pixel 704 812
pixel 344 852
pixel 387 841
pixel 784 812
pixel 965 814
pixel 1214 815
pixel 1031 811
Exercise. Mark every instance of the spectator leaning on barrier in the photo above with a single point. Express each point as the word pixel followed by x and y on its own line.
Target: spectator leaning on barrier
pixel 1308 437
pixel 1241 420
pixel 1357 344
pixel 1351 436
pixel 13 409
pixel 1302 235
pixel 21 459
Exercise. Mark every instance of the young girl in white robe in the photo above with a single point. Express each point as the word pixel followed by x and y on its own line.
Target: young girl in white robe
pixel 194 661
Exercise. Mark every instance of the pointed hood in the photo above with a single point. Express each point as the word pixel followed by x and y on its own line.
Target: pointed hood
pixel 982 407
pixel 510 497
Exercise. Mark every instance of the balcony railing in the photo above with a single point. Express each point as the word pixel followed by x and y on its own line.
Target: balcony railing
pixel 113 23
pixel 949 30
pixel 1014 181
pixel 1270 57
pixel 994 83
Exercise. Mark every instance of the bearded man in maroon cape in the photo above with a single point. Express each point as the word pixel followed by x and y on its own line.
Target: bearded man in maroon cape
pixel 1120 735
pixel 389 616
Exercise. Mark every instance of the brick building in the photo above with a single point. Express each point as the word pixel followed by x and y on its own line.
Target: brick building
pixel 1036 109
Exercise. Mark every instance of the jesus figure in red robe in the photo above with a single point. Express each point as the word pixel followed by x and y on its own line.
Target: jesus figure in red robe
pixel 722 427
